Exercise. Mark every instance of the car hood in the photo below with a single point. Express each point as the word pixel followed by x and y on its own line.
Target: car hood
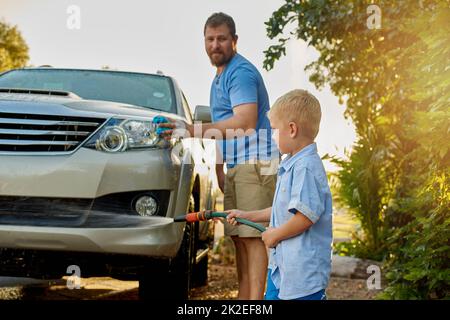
pixel 72 106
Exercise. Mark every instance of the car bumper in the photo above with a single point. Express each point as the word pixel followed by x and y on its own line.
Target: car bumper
pixel 157 237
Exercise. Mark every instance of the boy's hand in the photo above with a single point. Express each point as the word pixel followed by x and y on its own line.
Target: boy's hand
pixel 233 214
pixel 270 237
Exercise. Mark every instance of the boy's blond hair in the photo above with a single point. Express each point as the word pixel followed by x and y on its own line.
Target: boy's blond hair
pixel 301 107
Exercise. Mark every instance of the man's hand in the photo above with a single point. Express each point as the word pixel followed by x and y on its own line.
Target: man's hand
pixel 270 237
pixel 176 125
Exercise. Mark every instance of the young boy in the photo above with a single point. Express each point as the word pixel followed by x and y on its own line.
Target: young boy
pixel 299 235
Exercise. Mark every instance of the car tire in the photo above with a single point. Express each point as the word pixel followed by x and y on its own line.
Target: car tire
pixel 200 270
pixel 200 274
pixel 169 279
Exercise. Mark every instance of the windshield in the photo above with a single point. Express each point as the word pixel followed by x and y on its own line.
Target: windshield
pixel 145 90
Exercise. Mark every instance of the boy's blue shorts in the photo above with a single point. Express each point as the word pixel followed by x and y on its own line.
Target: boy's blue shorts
pixel 272 292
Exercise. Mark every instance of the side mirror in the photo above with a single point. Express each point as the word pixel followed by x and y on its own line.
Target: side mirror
pixel 203 114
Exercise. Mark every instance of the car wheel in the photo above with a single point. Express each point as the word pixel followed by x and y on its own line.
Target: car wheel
pixel 169 279
pixel 200 274
pixel 200 269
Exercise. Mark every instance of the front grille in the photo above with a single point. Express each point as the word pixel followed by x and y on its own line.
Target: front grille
pixel 44 133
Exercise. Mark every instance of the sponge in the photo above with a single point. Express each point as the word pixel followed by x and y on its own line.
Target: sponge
pixel 160 119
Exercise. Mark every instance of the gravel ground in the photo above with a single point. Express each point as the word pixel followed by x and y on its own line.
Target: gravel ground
pixel 222 285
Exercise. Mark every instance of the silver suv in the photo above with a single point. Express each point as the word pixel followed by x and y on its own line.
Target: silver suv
pixel 86 181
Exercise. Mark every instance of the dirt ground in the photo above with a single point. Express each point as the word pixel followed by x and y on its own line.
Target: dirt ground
pixel 222 285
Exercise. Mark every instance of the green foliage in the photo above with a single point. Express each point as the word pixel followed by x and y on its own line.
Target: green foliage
pixel 395 82
pixel 418 266
pixel 361 189
pixel 13 49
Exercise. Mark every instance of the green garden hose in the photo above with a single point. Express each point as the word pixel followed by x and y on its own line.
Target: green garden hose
pixel 206 215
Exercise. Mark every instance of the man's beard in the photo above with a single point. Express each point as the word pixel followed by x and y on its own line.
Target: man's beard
pixel 222 60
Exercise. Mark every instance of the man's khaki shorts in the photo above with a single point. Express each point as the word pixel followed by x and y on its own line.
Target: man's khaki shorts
pixel 249 187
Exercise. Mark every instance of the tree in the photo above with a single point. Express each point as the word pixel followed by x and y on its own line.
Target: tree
pixel 395 82
pixel 13 49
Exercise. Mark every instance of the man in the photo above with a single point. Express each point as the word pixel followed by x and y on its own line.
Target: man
pixel 239 103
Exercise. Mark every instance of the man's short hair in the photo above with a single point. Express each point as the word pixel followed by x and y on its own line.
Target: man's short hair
pixel 301 107
pixel 218 19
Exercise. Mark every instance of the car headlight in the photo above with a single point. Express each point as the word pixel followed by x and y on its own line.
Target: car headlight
pixel 112 139
pixel 119 135
pixel 140 134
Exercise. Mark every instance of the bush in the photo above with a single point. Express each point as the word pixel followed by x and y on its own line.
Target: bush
pixel 418 264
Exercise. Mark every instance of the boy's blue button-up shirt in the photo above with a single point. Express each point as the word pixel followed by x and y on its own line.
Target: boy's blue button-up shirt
pixel 301 265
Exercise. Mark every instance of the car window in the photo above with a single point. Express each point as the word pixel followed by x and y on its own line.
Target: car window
pixel 145 90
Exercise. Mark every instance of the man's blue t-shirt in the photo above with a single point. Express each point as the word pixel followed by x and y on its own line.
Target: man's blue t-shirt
pixel 241 83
